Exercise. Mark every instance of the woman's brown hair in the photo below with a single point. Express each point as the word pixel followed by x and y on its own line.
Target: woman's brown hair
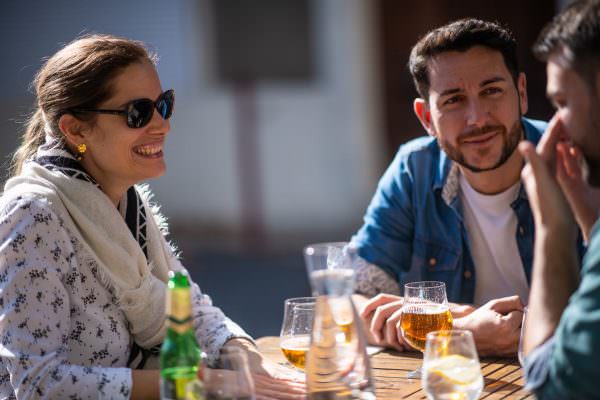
pixel 77 76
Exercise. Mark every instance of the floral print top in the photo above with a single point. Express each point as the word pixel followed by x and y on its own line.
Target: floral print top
pixel 62 334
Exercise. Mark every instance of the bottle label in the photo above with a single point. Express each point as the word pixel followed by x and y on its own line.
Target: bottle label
pixel 180 389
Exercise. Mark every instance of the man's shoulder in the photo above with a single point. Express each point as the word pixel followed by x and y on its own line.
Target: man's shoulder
pixel 592 255
pixel 420 150
pixel 534 129
pixel 419 160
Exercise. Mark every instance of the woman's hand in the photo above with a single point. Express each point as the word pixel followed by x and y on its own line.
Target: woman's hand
pixel 271 380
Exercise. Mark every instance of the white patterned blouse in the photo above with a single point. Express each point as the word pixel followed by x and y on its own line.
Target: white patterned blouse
pixel 62 334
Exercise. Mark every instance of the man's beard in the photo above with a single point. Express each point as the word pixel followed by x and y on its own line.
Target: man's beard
pixel 510 141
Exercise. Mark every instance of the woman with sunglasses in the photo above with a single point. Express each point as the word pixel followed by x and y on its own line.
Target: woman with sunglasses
pixel 83 258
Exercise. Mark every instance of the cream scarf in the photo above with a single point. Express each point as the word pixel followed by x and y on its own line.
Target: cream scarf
pixel 138 285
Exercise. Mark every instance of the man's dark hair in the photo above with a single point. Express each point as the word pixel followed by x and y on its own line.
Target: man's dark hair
pixel 461 35
pixel 575 32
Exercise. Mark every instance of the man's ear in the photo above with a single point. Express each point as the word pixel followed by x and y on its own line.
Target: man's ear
pixel 522 91
pixel 73 129
pixel 421 108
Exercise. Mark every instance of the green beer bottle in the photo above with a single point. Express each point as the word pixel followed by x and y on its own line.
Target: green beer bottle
pixel 180 353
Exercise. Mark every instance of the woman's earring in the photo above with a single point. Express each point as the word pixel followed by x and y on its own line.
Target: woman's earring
pixel 81 148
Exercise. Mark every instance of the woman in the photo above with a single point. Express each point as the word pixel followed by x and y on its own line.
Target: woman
pixel 83 259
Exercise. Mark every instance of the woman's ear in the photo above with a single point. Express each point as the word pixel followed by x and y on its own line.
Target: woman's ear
pixel 421 108
pixel 73 129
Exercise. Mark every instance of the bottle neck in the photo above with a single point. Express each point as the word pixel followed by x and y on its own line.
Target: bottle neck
pixel 179 310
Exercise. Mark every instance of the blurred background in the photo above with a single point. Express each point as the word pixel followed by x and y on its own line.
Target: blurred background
pixel 287 113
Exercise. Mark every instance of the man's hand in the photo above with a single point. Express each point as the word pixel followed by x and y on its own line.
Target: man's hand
pixel 549 205
pixel 495 326
pixel 381 316
pixel 583 199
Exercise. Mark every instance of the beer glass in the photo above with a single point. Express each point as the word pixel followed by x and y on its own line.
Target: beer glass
pixel 231 380
pixel 298 316
pixel 451 366
pixel 425 309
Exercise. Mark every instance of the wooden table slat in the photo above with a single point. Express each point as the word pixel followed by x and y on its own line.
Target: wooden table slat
pixel 503 377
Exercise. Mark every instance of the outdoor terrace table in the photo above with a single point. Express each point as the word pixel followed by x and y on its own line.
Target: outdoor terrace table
pixel 503 376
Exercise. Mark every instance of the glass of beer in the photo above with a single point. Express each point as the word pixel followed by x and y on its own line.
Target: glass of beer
pixel 451 367
pixel 425 310
pixel 298 316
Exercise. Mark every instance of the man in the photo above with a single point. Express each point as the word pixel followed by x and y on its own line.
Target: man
pixel 451 207
pixel 562 338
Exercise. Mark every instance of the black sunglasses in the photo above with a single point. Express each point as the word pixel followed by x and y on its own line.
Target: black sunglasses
pixel 139 112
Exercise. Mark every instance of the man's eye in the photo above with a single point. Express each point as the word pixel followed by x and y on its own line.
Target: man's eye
pixel 452 100
pixel 492 91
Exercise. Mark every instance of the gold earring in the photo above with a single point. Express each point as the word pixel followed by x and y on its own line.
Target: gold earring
pixel 81 148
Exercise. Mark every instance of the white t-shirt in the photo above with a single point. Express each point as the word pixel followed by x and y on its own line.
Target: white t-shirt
pixel 492 226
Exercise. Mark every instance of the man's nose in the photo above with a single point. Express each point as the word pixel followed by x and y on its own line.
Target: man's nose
pixel 477 113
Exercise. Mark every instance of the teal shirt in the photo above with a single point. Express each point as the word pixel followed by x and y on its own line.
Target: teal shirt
pixel 568 365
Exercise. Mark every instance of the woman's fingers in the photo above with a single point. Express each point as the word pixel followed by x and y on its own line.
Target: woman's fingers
pixel 267 387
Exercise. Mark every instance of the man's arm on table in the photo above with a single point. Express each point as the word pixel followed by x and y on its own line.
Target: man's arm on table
pixel 563 365
pixel 555 270
pixel 495 325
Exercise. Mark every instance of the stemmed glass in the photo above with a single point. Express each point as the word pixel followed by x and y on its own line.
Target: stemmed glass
pixel 231 380
pixel 425 309
pixel 298 316
pixel 451 367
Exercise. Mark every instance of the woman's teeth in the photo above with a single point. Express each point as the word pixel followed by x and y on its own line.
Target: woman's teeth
pixel 149 150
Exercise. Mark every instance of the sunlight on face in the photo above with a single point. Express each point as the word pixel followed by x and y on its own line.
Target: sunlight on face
pixel 118 156
pixel 475 107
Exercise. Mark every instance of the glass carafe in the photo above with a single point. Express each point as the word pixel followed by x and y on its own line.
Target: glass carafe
pixel 337 365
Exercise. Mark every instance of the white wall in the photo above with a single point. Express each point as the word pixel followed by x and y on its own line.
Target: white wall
pixel 320 143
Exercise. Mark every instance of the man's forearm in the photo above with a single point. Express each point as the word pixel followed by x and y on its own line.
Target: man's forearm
pixel 555 278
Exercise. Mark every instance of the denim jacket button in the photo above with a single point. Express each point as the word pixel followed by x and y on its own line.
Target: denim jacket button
pixel 432 261
pixel 467 274
pixel 521 230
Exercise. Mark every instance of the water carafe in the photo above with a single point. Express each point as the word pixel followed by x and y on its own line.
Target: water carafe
pixel 337 365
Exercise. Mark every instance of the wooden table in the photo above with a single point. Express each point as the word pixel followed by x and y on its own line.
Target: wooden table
pixel 503 376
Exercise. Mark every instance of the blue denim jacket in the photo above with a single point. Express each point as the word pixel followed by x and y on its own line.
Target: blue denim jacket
pixel 413 228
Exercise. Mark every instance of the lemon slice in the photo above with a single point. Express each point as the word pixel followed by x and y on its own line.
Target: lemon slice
pixel 456 369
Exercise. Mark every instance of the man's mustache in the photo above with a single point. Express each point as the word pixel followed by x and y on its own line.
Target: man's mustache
pixel 473 133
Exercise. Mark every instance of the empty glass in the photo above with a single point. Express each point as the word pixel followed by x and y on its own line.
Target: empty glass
pixel 231 380
pixel 451 367
pixel 337 365
pixel 298 317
